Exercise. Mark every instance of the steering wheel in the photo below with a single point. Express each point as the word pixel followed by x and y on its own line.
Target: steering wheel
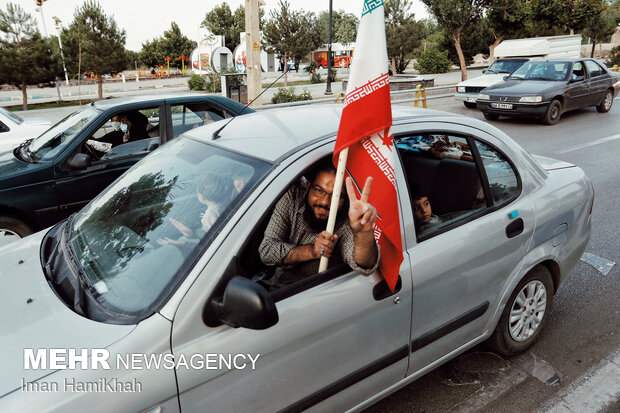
pixel 91 151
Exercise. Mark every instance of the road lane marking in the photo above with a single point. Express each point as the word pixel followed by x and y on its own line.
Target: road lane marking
pixel 593 392
pixel 601 264
pixel 593 143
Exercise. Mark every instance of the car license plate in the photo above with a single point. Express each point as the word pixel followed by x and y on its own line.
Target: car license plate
pixel 501 105
pixel 470 99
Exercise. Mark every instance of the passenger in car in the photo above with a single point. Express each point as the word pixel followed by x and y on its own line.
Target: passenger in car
pixel 295 238
pixel 423 213
pixel 133 125
pixel 213 190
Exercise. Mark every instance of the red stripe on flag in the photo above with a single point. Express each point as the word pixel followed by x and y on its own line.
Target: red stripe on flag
pixel 384 198
pixel 364 117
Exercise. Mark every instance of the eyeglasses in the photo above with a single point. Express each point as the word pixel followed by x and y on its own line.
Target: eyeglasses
pixel 321 193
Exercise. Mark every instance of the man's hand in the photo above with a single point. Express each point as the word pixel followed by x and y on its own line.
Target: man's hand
pixel 324 245
pixel 361 213
pixel 183 229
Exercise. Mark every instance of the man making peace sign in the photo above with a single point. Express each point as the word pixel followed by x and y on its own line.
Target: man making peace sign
pixel 295 238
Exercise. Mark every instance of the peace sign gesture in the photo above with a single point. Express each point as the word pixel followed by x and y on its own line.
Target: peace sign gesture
pixel 361 213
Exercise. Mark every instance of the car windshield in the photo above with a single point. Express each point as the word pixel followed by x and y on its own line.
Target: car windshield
pixel 11 116
pixel 542 71
pixel 133 240
pixel 56 138
pixel 505 66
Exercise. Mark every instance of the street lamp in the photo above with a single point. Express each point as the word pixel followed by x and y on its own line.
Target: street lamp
pixel 40 4
pixel 62 55
pixel 328 89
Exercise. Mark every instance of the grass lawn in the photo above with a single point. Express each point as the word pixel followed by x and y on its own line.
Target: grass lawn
pixel 49 105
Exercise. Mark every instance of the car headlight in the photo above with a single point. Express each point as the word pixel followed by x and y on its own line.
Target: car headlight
pixel 460 89
pixel 482 96
pixel 531 99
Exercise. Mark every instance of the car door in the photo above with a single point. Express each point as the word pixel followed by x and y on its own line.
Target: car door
pixel 578 88
pixel 76 186
pixel 337 342
pixel 463 260
pixel 599 82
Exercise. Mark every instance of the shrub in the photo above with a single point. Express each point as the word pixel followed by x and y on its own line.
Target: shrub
pixel 196 82
pixel 209 83
pixel 285 95
pixel 316 78
pixel 433 61
pixel 614 57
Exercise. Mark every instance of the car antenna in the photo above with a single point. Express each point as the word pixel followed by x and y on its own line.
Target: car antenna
pixel 216 134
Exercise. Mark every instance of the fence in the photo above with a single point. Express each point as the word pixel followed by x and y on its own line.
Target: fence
pixel 423 94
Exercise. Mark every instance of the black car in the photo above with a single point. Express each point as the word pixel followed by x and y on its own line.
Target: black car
pixel 44 180
pixel 547 88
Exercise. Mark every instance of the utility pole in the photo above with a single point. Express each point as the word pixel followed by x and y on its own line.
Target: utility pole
pixel 328 88
pixel 252 47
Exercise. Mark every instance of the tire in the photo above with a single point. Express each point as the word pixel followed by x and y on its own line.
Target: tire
pixel 490 116
pixel 471 105
pixel 606 103
pixel 553 113
pixel 536 291
pixel 12 229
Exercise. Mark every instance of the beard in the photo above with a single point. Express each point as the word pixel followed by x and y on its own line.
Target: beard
pixel 318 224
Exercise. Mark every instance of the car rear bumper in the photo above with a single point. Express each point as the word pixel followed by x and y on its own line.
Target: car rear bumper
pixel 532 110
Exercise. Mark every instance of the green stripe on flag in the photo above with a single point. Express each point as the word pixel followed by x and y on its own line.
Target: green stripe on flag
pixel 370 5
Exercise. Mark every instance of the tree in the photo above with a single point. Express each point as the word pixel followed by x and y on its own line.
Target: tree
pixel 562 16
pixel 344 26
pixel 509 19
pixel 25 57
pixel 172 44
pixel 475 38
pixel 221 21
pixel 403 34
pixel 94 43
pixel 453 16
pixel 291 33
pixel 601 26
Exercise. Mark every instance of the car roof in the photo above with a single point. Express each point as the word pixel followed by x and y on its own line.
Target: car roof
pixel 272 133
pixel 158 97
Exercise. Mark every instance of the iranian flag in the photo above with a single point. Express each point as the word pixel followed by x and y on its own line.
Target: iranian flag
pixel 364 133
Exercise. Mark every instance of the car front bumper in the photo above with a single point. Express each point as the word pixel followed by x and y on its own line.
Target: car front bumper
pixel 531 110
pixel 466 97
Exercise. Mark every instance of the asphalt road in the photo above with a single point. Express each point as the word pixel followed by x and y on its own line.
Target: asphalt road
pixel 584 328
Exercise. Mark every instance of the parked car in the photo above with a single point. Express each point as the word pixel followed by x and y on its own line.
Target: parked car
pixel 15 129
pixel 546 89
pixel 44 180
pixel 103 280
pixel 467 90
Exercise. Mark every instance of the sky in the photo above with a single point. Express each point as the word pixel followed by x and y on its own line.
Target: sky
pixel 144 20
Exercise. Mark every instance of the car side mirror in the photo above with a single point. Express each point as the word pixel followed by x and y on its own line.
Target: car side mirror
pixel 80 161
pixel 247 304
pixel 484 71
pixel 577 79
pixel 506 77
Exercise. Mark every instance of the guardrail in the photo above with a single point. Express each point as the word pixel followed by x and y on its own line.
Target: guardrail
pixel 420 94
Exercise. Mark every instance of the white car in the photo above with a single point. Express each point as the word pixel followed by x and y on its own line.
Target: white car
pixel 14 130
pixel 467 91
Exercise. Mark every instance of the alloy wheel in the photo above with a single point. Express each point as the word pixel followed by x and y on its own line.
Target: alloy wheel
pixel 528 311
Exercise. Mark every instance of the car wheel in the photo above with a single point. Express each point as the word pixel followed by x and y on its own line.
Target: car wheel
pixel 554 111
pixel 525 314
pixel 606 103
pixel 12 229
pixel 490 116
pixel 470 105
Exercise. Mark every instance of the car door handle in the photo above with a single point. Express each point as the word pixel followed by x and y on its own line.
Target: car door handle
pixel 514 228
pixel 381 291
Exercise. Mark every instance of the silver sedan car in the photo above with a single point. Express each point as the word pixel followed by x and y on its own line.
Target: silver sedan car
pixel 136 304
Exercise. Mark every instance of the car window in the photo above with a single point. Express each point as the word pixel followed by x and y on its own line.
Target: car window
pixel 126 133
pixel 443 180
pixel 505 66
pixel 541 71
pixel 55 139
pixel 578 70
pixel 501 176
pixel 593 68
pixel 133 238
pixel 192 115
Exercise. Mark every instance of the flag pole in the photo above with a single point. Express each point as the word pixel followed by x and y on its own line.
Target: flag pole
pixel 333 208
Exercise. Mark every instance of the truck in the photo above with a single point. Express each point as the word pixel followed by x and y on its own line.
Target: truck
pixel 513 53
